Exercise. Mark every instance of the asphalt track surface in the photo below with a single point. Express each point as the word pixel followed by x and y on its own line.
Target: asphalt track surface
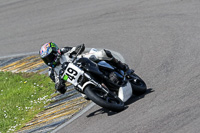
pixel 157 38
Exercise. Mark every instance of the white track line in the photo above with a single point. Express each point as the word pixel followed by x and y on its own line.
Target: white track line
pixel 17 55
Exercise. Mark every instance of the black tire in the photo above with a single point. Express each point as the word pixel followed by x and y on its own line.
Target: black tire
pixel 138 86
pixel 96 95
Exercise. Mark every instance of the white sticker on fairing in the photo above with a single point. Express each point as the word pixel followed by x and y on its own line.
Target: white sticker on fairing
pixel 73 72
pixel 125 92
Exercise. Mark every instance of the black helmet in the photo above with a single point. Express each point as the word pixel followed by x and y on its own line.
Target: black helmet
pixel 50 54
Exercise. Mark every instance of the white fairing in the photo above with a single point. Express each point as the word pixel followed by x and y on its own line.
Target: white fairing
pixel 125 92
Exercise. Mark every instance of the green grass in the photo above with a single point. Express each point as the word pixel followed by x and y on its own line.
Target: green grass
pixel 22 96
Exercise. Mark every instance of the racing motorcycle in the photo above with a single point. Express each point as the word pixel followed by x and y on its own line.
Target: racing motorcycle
pixel 102 83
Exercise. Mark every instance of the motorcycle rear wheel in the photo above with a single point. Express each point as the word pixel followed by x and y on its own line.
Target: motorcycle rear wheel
pixel 98 96
pixel 138 85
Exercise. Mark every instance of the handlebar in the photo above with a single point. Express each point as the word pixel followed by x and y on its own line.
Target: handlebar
pixel 82 46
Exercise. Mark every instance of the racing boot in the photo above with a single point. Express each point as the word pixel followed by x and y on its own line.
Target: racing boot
pixel 116 62
pixel 60 84
pixel 119 64
pixel 60 87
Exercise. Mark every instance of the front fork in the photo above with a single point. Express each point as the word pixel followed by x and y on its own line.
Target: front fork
pixel 106 90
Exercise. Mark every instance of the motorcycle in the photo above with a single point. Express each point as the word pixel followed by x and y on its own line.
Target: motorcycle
pixel 102 83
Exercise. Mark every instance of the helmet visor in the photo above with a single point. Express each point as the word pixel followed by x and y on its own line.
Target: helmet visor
pixel 49 59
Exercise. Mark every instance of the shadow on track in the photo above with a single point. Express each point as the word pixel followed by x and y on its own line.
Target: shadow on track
pixel 130 101
pixel 136 98
pixel 102 111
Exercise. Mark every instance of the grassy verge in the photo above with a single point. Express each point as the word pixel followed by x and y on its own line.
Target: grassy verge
pixel 22 96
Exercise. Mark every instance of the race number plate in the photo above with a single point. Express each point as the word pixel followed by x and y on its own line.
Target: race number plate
pixel 73 73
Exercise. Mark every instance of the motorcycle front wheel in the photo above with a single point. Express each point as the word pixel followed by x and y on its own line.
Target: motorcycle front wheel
pixel 99 97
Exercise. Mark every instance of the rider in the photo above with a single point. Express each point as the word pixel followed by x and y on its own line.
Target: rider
pixel 55 57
